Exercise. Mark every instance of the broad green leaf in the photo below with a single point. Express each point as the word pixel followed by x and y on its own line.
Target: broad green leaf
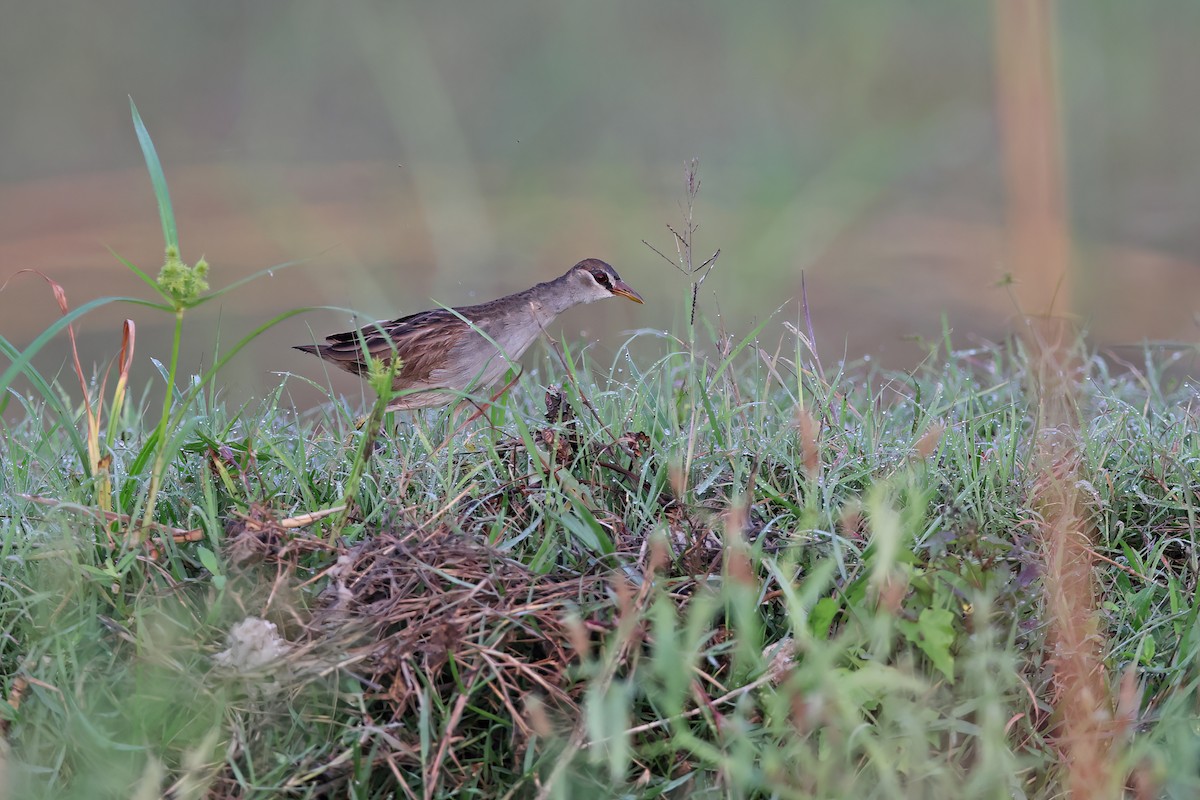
pixel 933 632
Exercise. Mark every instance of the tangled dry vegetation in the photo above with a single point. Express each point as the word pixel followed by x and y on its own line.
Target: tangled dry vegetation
pixel 437 616
pixel 434 615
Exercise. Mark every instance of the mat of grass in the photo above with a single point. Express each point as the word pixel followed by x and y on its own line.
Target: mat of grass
pixel 713 576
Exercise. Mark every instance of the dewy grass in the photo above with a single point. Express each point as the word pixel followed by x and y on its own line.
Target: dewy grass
pixel 835 605
pixel 737 575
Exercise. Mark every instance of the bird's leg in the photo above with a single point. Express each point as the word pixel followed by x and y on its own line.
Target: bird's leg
pixel 480 409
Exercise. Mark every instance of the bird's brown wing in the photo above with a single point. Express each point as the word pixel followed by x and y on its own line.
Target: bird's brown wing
pixel 422 341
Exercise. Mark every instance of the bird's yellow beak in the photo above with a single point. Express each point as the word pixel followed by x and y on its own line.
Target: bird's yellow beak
pixel 625 290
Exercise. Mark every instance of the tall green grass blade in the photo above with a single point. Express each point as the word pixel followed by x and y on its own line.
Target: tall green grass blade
pixel 161 195
pixel 269 271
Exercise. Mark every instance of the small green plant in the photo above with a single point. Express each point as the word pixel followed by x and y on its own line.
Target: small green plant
pixel 381 376
pixel 182 287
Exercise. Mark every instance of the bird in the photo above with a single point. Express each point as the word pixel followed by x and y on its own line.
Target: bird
pixel 444 352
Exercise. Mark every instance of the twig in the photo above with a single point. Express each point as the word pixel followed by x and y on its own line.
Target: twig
pixel 300 520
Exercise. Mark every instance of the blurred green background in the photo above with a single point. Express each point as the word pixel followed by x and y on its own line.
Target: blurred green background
pixel 453 152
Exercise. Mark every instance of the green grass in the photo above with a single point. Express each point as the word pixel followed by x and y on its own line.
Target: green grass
pixel 713 570
pixel 713 618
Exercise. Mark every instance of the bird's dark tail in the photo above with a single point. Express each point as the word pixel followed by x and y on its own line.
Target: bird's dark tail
pixel 342 358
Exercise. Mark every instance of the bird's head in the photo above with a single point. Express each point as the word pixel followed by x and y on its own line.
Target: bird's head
pixel 597 280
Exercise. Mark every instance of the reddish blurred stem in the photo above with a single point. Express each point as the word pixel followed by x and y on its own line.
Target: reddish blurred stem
pixel 1029 116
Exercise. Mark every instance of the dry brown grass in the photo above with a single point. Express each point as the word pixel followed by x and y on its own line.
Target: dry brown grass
pixel 433 617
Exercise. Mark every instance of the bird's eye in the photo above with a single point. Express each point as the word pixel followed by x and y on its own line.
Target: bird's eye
pixel 601 278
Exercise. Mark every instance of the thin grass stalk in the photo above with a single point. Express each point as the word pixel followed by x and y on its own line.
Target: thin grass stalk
pixel 160 456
